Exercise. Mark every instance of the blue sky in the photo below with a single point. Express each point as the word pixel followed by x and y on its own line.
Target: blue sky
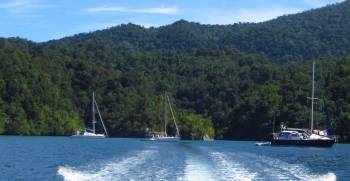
pixel 42 20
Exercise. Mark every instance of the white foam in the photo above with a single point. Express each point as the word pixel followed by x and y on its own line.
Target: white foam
pixel 196 169
pixel 115 170
pixel 300 172
pixel 230 170
pixel 327 177
pixel 224 166
pixel 280 170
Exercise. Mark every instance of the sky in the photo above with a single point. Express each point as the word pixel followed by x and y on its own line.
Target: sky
pixel 43 20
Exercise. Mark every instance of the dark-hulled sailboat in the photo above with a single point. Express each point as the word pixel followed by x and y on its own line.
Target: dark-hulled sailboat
pixel 304 137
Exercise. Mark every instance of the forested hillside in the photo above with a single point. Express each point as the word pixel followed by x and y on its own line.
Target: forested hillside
pixel 311 34
pixel 231 81
pixel 33 94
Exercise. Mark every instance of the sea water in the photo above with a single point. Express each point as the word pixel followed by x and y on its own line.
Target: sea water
pixel 64 158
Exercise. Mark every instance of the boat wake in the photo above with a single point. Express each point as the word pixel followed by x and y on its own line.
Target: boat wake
pixel 114 170
pixel 277 169
pixel 202 164
pixel 197 168
pixel 240 165
pixel 229 169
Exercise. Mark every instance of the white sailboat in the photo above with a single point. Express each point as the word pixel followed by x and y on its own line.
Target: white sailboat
pixel 91 133
pixel 163 136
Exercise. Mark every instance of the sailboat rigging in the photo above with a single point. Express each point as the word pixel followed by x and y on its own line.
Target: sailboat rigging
pixel 163 136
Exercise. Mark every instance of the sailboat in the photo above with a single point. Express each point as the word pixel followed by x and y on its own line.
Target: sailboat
pixel 163 136
pixel 91 133
pixel 304 137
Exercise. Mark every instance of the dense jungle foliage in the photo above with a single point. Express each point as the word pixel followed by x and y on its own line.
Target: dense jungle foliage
pixel 228 81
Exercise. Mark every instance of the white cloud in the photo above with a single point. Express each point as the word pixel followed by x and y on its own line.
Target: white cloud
pixel 22 8
pixel 155 10
pixel 14 4
pixel 103 9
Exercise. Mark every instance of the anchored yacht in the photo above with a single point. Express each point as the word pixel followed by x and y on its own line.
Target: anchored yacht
pixel 305 137
pixel 163 136
pixel 91 133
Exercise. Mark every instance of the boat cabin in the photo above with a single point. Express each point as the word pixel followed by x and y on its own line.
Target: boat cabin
pixel 291 135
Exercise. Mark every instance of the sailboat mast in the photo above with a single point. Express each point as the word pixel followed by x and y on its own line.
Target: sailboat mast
pixel 312 96
pixel 93 113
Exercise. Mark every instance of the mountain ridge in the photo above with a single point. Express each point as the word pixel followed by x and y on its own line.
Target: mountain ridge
pixel 231 80
pixel 313 33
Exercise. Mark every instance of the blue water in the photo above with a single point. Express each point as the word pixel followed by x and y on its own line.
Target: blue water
pixel 62 158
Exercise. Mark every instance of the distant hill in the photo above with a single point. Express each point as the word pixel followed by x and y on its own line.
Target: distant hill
pixel 311 34
pixel 229 80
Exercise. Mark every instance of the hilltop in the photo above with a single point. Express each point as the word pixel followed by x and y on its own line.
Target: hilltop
pixel 312 34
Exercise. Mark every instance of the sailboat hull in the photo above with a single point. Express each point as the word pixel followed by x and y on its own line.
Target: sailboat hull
pixel 304 143
pixel 168 139
pixel 88 137
pixel 162 139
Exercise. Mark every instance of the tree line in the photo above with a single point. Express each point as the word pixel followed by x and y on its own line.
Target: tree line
pixel 227 82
